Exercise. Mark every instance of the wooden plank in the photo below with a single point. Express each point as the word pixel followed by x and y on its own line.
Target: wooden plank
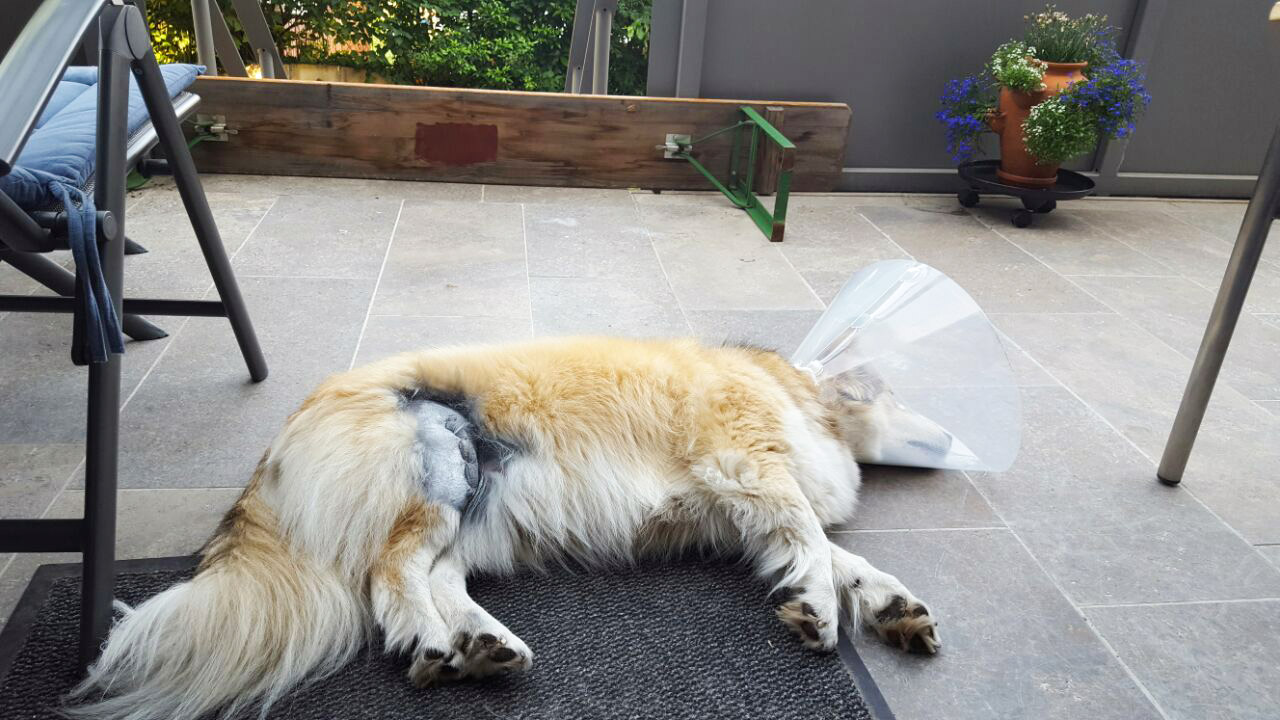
pixel 491 136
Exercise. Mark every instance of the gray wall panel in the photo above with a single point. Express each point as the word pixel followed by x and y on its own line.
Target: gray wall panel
pixel 664 47
pixel 1215 100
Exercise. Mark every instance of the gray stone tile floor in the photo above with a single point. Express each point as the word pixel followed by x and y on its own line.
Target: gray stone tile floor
pixel 1071 586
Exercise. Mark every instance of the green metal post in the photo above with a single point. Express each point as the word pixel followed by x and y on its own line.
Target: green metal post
pixel 747 195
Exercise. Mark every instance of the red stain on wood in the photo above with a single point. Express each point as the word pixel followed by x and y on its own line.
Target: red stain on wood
pixel 456 143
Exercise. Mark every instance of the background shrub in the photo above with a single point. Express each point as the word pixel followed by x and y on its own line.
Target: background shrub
pixel 497 44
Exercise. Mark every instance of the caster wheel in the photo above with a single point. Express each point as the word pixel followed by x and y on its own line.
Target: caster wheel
pixel 1047 207
pixel 967 198
pixel 1022 219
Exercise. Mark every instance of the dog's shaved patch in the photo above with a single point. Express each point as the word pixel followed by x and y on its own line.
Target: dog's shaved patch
pixel 459 457
pixel 447 453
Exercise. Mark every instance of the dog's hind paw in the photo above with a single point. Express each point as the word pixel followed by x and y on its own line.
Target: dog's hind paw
pixel 432 667
pixel 908 625
pixel 489 654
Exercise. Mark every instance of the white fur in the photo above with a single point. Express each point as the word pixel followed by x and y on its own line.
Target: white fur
pixel 198 645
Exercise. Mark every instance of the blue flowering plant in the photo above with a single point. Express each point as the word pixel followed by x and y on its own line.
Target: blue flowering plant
pixel 1105 104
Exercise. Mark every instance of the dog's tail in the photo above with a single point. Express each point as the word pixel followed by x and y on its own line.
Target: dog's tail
pixel 255 621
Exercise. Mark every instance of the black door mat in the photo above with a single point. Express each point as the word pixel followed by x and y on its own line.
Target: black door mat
pixel 686 640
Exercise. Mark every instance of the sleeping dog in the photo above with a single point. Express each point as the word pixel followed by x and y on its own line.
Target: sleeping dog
pixel 394 481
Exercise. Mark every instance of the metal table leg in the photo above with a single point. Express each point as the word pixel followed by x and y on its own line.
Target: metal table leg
pixel 1222 322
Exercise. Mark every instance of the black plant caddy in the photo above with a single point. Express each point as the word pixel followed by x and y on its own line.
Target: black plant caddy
pixel 979 176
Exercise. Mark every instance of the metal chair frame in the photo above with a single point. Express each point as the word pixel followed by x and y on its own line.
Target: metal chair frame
pixel 1250 241
pixel 28 77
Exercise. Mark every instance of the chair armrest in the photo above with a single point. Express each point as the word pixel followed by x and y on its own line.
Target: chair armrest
pixel 31 70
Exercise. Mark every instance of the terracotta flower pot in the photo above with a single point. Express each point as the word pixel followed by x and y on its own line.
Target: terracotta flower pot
pixel 1017 166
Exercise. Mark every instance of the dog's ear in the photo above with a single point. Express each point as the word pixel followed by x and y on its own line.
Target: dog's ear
pixel 860 385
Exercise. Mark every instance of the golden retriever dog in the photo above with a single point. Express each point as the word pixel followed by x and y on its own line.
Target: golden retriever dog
pixel 394 481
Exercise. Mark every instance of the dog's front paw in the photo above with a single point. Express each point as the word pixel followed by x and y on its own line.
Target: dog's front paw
pixel 818 630
pixel 908 625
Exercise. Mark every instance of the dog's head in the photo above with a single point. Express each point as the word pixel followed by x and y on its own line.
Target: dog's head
pixel 875 424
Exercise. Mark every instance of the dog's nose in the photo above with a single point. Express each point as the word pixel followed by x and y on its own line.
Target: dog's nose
pixel 940 447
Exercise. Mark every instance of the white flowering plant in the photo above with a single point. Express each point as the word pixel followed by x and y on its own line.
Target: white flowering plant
pixel 1014 65
pixel 1054 133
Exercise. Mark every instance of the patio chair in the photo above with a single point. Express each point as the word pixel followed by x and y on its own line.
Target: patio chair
pixel 67 140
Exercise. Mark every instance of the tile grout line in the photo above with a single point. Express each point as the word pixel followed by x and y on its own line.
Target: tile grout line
pixel 1124 243
pixel 164 351
pixel 445 317
pixel 800 275
pixel 528 278
pixel 1054 271
pixel 1174 216
pixel 1120 275
pixel 882 232
pixel 872 531
pixel 160 356
pixel 1081 312
pixel 635 206
pixel 256 276
pixel 1177 603
pixel 373 296
pixel 1202 231
pixel 28 293
pixel 1133 677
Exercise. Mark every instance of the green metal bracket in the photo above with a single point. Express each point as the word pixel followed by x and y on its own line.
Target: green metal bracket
pixel 740 186
pixel 137 181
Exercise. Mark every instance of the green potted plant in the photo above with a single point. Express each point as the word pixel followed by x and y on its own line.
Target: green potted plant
pixel 1050 96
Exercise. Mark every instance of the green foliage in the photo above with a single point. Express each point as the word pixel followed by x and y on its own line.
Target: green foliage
pixel 1015 66
pixel 1055 133
pixel 1058 37
pixel 506 45
pixel 170 25
pixel 469 43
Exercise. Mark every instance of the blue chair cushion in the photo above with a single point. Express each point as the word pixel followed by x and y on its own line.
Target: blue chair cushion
pixel 54 167
pixel 62 146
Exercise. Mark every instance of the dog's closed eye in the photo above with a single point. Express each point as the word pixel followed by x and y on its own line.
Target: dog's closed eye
pixel 848 395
